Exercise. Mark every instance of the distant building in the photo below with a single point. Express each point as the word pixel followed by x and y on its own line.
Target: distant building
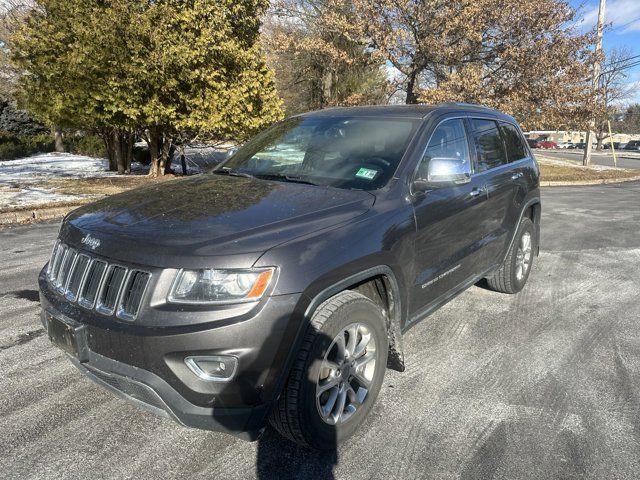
pixel 574 136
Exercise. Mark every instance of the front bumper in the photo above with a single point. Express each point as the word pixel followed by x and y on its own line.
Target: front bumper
pixel 146 365
pixel 151 393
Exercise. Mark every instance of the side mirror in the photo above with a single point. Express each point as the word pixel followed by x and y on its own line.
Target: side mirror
pixel 444 172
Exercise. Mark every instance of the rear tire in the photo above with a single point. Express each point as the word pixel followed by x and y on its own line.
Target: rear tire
pixel 320 374
pixel 512 275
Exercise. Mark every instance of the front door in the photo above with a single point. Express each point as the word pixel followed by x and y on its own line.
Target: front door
pixel 450 222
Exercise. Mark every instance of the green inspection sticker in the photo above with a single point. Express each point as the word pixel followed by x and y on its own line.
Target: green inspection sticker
pixel 366 173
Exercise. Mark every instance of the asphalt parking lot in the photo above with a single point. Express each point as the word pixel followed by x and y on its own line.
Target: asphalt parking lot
pixel 543 384
pixel 625 159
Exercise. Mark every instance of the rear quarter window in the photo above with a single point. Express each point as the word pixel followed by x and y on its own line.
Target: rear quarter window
pixel 514 142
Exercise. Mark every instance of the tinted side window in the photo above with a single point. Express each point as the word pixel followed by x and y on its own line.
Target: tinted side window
pixel 448 140
pixel 515 146
pixel 489 146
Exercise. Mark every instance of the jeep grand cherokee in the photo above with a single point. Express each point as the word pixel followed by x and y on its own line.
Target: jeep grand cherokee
pixel 277 288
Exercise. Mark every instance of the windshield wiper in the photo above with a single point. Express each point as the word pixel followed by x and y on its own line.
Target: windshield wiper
pixel 283 177
pixel 231 172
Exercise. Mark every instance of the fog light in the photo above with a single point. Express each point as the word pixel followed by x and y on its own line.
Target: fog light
pixel 214 368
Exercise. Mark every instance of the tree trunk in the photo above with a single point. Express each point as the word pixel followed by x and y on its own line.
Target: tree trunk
pixel 600 135
pixel 109 144
pixel 183 160
pixel 164 164
pixel 411 86
pixel 327 87
pixel 120 159
pixel 154 150
pixel 57 134
pixel 170 155
pixel 131 138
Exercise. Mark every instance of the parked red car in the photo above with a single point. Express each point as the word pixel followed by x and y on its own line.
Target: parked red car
pixel 541 143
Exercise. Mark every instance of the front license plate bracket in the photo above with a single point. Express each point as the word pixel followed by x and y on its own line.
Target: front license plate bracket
pixel 68 335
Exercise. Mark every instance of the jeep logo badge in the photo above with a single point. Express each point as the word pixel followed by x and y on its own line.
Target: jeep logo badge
pixel 90 242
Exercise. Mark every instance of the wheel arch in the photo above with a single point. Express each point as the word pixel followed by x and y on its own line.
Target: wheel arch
pixel 531 207
pixel 534 212
pixel 379 279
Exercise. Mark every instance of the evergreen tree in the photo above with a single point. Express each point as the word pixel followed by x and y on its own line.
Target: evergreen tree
pixel 177 70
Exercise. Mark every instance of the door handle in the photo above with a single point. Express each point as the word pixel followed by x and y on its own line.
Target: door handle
pixel 516 176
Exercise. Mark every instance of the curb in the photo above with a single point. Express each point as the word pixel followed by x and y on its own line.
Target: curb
pixel 31 214
pixel 604 181
pixel 574 164
pixel 628 156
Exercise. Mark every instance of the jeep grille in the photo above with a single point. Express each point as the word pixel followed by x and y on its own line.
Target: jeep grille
pixel 96 284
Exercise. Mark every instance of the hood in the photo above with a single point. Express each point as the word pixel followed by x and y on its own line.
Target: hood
pixel 183 223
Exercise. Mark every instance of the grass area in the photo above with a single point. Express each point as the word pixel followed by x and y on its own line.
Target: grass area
pixel 101 186
pixel 83 190
pixel 561 173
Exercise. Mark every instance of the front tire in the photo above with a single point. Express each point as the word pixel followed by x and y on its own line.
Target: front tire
pixel 514 272
pixel 337 374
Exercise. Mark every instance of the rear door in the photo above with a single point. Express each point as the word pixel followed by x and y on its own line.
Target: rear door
pixel 520 160
pixel 493 169
pixel 450 221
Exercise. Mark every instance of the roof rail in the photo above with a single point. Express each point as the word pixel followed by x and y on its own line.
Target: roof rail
pixel 464 104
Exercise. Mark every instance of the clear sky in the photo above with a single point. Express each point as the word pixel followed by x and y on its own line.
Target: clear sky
pixel 623 17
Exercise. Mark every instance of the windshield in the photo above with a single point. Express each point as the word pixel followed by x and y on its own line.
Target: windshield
pixel 343 152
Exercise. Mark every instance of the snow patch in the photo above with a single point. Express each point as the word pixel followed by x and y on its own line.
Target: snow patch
pixel 19 178
pixel 52 165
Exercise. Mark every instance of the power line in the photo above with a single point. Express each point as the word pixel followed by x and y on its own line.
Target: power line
pixel 629 115
pixel 625 24
pixel 631 65
pixel 622 60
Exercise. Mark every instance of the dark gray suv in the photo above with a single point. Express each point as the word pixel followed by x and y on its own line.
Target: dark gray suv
pixel 277 287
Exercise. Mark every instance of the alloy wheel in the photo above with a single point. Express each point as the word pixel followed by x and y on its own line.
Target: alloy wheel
pixel 346 374
pixel 523 256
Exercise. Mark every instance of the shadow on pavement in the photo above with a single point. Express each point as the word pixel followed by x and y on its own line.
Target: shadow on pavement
pixel 278 458
pixel 29 295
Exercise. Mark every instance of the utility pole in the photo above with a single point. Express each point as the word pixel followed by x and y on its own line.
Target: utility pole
pixel 586 159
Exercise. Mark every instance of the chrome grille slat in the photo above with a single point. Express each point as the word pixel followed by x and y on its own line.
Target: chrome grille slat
pixel 134 290
pixel 54 251
pixel 96 284
pixel 77 276
pixel 65 263
pixel 111 288
pixel 57 259
pixel 69 273
pixel 92 283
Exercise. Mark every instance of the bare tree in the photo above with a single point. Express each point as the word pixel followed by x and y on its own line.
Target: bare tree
pixel 526 58
pixel 320 55
pixel 613 89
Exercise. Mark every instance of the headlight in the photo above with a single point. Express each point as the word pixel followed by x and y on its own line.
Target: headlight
pixel 212 286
